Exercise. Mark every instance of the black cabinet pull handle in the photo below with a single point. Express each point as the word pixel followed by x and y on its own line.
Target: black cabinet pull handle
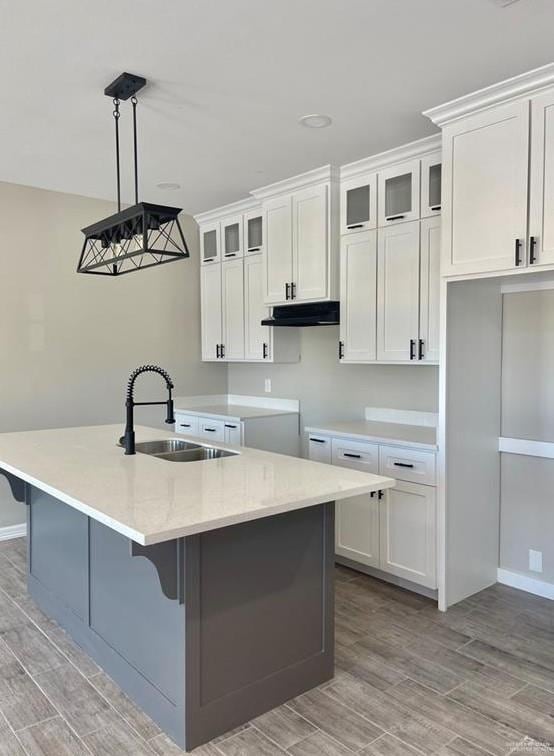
pixel 209 259
pixel 412 349
pixel 435 207
pixel 210 430
pixel 230 426
pixel 185 425
pixel 293 291
pixel 517 250
pixel 532 250
pixel 217 351
pixel 230 254
pixel 372 494
pixel 420 354
pixel 353 456
pixel 355 225
pixel 264 351
pixel 318 440
pixel 222 350
pixel 395 217
pixel 403 464
pixel 254 249
pixel 380 494
pixel 341 350
pixel 287 294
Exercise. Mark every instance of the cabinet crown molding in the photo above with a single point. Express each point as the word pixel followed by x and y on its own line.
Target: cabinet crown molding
pixel 318 176
pixel 523 85
pixel 373 163
pixel 234 208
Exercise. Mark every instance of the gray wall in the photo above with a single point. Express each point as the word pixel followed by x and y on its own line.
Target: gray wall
pixel 527 514
pixel 68 341
pixel 330 391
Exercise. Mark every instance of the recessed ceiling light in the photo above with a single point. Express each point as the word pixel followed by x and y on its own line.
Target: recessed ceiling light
pixel 315 121
pixel 169 186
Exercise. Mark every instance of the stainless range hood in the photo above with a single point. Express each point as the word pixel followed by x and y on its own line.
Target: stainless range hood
pixel 303 315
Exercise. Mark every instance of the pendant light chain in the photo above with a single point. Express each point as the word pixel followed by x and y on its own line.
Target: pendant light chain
pixel 134 103
pixel 116 119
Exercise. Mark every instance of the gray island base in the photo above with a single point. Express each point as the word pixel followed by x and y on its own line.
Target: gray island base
pixel 203 632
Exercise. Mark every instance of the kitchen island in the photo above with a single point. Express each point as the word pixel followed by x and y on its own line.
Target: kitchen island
pixel 205 588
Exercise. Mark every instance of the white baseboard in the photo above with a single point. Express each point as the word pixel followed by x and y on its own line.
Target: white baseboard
pixel 13 531
pixel 525 583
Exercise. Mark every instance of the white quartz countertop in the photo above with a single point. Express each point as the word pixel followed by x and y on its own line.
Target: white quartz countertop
pixel 420 436
pixel 236 411
pixel 151 500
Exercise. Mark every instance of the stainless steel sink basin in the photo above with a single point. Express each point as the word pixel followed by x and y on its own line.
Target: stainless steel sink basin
pixel 176 450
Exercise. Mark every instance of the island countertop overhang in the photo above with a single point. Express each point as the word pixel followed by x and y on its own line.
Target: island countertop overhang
pixel 153 500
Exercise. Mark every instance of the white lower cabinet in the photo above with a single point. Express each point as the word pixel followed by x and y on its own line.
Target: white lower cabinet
pixel 211 429
pixel 393 531
pixel 232 433
pixel 186 424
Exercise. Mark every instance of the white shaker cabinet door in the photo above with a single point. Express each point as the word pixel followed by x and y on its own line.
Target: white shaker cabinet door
pixel 210 296
pixel 232 285
pixel 257 338
pixel 232 433
pixel 429 290
pixel 278 250
pixel 541 217
pixel 311 244
pixel 408 533
pixel 398 292
pixel 485 173
pixel 431 185
pixel 358 282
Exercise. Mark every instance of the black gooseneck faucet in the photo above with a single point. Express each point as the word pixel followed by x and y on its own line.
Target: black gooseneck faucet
pixel 128 439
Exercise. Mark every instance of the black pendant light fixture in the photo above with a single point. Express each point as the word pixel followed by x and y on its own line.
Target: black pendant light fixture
pixel 142 235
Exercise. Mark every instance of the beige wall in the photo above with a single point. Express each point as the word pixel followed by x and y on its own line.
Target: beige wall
pixel 68 342
pixel 330 391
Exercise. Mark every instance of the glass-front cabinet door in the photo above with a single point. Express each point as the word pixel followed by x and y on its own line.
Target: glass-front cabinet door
pixel 231 236
pixel 210 247
pixel 358 204
pixel 399 193
pixel 431 180
pixel 253 232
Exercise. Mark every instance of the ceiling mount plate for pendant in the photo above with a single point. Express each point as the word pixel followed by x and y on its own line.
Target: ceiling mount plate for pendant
pixel 126 85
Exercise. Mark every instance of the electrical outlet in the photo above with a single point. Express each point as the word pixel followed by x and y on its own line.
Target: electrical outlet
pixel 535 560
pixel 268 385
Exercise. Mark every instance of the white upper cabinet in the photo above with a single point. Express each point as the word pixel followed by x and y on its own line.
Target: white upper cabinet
pixel 278 250
pixel 431 184
pixel 257 338
pixel 541 218
pixel 253 232
pixel 398 292
pixel 358 296
pixel 399 193
pixel 310 244
pixel 232 290
pixel 231 237
pixel 429 290
pixel 358 204
pixel 211 309
pixel 210 243
pixel 485 165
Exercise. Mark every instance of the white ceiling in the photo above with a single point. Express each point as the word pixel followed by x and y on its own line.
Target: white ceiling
pixel 230 78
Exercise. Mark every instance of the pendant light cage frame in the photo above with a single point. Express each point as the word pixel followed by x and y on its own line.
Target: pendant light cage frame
pixel 140 236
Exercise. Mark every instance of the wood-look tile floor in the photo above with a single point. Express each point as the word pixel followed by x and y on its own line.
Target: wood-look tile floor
pixel 409 680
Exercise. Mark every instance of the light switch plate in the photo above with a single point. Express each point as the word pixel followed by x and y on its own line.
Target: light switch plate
pixel 268 385
pixel 535 560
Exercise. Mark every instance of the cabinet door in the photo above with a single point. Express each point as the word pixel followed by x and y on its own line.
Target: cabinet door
pixel 210 298
pixel 278 249
pixel 541 218
pixel 398 292
pixel 257 338
pixel 319 448
pixel 358 296
pixel 233 433
pixel 310 244
pixel 431 185
pixel 232 285
pixel 210 246
pixel 231 237
pixel 186 424
pixel 429 290
pixel 399 193
pixel 253 232
pixel 358 204
pixel 485 171
pixel 408 533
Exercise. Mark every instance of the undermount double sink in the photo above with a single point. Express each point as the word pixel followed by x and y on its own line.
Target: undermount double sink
pixel 177 450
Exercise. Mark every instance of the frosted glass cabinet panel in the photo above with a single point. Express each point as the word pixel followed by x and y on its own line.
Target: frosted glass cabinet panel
pixel 359 204
pixel 209 243
pixel 232 237
pixel 254 232
pixel 399 193
pixel 431 185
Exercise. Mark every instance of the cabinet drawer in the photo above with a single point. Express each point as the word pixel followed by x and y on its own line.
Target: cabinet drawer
pixel 186 424
pixel 407 464
pixel 319 448
pixel 355 454
pixel 211 429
